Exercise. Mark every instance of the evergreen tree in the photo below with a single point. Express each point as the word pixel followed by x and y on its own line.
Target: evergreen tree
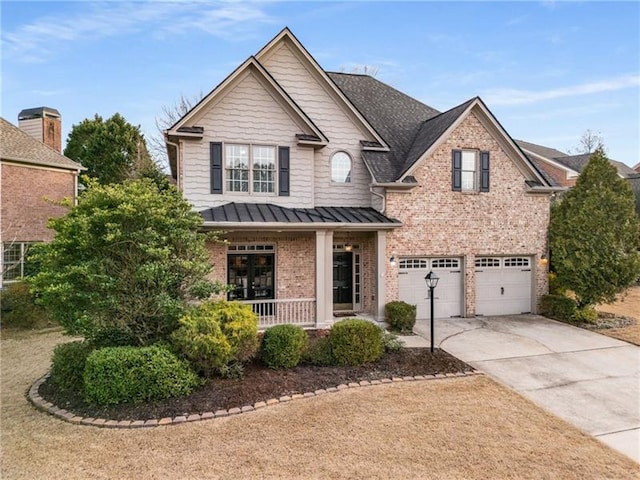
pixel 113 150
pixel 595 235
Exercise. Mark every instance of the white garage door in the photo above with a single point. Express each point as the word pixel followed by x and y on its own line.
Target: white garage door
pixel 503 285
pixel 448 293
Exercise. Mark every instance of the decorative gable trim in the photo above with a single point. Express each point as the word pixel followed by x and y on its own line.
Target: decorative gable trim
pixel 494 127
pixel 183 127
pixel 286 35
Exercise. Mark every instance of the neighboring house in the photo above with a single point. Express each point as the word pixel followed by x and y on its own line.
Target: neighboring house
pixel 338 194
pixel 636 168
pixel 33 176
pixel 561 168
pixel 634 181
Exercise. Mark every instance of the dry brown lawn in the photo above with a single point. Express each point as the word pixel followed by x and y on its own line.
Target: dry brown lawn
pixel 462 428
pixel 629 306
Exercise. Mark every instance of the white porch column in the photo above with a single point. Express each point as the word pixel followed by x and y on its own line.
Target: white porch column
pixel 324 278
pixel 381 270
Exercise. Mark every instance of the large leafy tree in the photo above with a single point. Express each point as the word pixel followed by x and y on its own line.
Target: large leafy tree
pixel 113 150
pixel 595 234
pixel 127 258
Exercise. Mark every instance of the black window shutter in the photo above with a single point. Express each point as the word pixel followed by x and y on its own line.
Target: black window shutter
pixel 283 171
pixel 456 171
pixel 484 171
pixel 216 167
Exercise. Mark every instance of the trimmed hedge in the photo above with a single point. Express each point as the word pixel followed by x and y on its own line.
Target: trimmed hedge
pixel 400 316
pixel 283 345
pixel 585 315
pixel 355 342
pixel 68 364
pixel 215 334
pixel 318 352
pixel 117 375
pixel 557 307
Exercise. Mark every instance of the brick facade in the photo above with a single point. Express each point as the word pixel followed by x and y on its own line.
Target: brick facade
pixel 438 221
pixel 295 262
pixel 28 193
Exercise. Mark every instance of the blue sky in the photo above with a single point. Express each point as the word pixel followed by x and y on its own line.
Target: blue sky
pixel 547 70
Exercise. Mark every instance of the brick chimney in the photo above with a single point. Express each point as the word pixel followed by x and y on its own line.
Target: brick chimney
pixel 44 124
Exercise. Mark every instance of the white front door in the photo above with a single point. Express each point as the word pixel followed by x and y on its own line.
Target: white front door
pixel 503 285
pixel 448 293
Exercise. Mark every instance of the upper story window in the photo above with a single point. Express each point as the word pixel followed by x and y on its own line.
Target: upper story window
pixel 470 171
pixel 341 168
pixel 250 168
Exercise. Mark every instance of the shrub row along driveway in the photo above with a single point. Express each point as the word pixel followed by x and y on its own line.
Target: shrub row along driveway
pixel 590 380
pixel 454 428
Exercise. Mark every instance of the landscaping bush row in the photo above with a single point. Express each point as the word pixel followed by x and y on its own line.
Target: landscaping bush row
pixel 565 309
pixel 215 338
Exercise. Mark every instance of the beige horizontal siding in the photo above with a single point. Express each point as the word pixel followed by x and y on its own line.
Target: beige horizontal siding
pixel 335 123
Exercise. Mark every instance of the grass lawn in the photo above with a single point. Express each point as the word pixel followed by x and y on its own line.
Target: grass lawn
pixel 454 428
pixel 629 306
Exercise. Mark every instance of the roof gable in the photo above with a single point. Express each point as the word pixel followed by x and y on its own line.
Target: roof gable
pixel 578 162
pixel 18 146
pixel 436 130
pixel 286 37
pixel 185 124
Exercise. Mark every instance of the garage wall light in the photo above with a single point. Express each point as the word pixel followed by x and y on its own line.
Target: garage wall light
pixel 393 262
pixel 543 260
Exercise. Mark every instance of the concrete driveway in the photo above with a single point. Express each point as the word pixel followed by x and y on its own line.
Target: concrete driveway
pixel 588 379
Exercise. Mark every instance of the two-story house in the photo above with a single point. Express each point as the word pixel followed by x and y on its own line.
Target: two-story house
pixel 34 178
pixel 339 193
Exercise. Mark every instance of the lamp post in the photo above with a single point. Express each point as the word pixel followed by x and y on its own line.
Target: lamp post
pixel 432 283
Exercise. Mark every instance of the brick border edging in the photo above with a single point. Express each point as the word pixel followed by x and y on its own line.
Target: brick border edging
pixel 48 407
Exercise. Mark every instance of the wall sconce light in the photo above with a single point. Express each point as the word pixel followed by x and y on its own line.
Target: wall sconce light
pixel 543 260
pixel 348 247
pixel 392 261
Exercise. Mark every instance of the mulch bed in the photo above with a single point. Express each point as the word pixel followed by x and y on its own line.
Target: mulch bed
pixel 261 384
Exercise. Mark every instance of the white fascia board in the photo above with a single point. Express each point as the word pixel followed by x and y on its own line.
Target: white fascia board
pixel 550 161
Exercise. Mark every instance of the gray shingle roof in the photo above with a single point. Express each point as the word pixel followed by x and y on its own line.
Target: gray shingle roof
pixel 430 131
pixel 21 147
pixel 578 162
pixel 266 212
pixel 395 116
pixel 541 150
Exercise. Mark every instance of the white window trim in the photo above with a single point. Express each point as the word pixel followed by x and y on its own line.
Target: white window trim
pixel 250 191
pixel 24 246
pixel 351 173
pixel 476 171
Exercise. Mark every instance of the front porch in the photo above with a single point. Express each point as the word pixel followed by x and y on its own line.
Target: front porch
pixel 304 272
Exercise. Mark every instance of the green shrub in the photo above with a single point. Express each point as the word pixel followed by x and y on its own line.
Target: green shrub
pixel 117 375
pixel 215 334
pixel 318 352
pixel 355 342
pixel 400 316
pixel 391 342
pixel 557 307
pixel 585 315
pixel 555 285
pixel 283 345
pixel 112 337
pixel 19 309
pixel 69 360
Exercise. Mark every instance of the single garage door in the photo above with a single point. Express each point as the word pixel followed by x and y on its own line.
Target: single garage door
pixel 448 293
pixel 503 285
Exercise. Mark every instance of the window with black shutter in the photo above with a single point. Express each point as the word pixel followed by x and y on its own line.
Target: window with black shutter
pixel 216 167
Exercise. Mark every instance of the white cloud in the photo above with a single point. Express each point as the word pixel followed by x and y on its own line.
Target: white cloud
pixel 509 96
pixel 39 40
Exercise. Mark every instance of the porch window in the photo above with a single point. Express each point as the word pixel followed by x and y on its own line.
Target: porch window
pixel 250 275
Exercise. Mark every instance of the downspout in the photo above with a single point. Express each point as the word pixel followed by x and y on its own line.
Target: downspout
pixel 383 197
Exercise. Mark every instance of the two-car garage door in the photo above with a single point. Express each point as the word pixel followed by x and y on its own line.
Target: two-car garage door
pixel 448 293
pixel 503 285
